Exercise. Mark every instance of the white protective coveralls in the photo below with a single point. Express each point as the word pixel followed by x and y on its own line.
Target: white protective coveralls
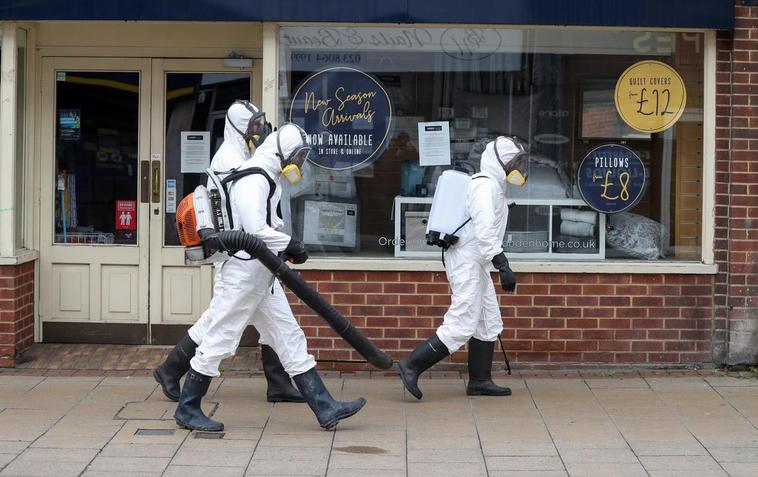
pixel 474 309
pixel 243 289
pixel 232 153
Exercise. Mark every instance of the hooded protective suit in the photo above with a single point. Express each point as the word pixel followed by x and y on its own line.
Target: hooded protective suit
pixel 232 153
pixel 243 288
pixel 474 309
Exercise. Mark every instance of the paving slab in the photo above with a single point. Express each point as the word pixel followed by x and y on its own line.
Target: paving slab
pixel 418 469
pixel 444 455
pixel 692 463
pixel 215 453
pixel 599 455
pixel 39 462
pixel 540 463
pixel 280 467
pixel 130 464
pixel 595 469
pixel 687 473
pixel 528 473
pixel 369 461
pixel 741 469
pixel 735 454
pixel 203 471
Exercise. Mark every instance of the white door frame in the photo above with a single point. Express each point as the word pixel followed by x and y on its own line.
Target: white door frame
pixel 170 303
pixel 77 281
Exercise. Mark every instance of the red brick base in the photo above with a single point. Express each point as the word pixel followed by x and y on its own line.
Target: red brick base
pixel 559 319
pixel 16 311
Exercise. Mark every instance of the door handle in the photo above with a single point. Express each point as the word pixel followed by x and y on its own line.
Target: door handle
pixel 144 174
pixel 156 182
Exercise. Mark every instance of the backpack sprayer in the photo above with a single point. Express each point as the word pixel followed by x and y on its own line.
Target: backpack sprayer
pixel 203 223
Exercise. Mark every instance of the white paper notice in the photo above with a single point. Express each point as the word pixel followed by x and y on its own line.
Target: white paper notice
pixel 330 223
pixel 196 151
pixel 170 196
pixel 434 143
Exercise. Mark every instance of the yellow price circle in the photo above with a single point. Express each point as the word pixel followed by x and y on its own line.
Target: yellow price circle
pixel 650 96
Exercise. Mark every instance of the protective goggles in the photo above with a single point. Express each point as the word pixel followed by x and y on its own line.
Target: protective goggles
pixel 292 165
pixel 517 169
pixel 257 127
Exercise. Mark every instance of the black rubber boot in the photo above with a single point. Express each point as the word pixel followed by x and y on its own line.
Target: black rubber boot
pixel 280 388
pixel 176 365
pixel 480 370
pixel 328 411
pixel 188 413
pixel 421 359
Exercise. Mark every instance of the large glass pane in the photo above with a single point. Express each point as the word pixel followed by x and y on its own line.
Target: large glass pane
pixel 96 156
pixel 552 88
pixel 196 103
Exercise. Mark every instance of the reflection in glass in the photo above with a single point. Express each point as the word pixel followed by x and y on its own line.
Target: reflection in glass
pixel 195 102
pixel 96 151
pixel 552 88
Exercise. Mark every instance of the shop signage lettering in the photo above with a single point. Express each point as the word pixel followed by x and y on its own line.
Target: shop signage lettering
pixel 347 114
pixel 612 179
pixel 650 96
pixel 460 43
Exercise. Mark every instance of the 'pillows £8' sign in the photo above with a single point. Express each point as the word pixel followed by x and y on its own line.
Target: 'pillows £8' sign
pixel 611 179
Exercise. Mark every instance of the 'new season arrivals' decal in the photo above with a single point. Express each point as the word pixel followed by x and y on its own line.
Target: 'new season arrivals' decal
pixel 347 114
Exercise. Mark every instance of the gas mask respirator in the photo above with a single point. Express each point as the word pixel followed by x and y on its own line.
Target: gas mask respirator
pixel 292 165
pixel 257 128
pixel 517 169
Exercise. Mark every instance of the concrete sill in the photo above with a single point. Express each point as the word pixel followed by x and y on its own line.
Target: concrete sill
pixel 607 266
pixel 22 256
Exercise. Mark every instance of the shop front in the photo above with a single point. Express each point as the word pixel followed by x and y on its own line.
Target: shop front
pixel 618 237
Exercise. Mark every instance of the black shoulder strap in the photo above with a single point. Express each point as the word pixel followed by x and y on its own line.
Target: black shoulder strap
pixel 237 175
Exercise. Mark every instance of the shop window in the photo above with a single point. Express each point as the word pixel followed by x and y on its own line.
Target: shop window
pixel 96 151
pixel 553 89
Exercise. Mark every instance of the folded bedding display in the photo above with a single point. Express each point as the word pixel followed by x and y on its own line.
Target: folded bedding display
pixel 577 229
pixel 574 215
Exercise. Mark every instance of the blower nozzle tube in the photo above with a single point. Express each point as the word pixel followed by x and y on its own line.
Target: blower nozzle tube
pixel 235 240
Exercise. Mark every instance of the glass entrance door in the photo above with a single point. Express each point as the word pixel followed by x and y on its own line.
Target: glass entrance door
pixel 94 231
pixel 190 99
pixel 124 141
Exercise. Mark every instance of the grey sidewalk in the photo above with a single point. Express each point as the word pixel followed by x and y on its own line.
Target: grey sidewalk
pixel 636 426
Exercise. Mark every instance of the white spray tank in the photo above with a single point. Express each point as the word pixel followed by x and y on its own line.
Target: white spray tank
pixel 448 213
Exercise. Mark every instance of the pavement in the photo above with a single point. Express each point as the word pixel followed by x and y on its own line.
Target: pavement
pixel 638 424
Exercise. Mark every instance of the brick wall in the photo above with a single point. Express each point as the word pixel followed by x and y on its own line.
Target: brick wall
pixel 555 319
pixel 16 311
pixel 736 286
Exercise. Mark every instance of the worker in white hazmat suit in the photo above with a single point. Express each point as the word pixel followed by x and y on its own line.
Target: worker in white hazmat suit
pixel 244 130
pixel 474 313
pixel 248 290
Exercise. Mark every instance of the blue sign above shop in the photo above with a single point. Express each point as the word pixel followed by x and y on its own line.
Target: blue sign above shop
pixel 347 114
pixel 715 14
pixel 612 179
